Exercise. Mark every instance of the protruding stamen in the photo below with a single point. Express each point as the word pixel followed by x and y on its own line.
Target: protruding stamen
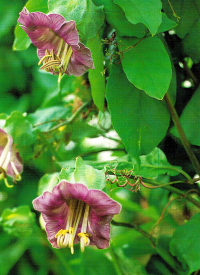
pixel 43 58
pixel 57 62
pixel 7 184
pixel 61 232
pixel 71 230
pixel 4 154
pixel 84 240
pixel 65 237
pixel 67 58
pixel 50 63
pixel 17 174
pixel 6 162
pixel 85 219
pixel 64 53
pixel 3 176
pixel 60 47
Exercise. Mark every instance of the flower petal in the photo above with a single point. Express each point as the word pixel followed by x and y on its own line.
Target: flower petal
pixel 102 204
pixel 47 203
pixel 99 228
pixel 56 222
pixel 69 191
pixel 34 19
pixel 64 29
pixel 80 62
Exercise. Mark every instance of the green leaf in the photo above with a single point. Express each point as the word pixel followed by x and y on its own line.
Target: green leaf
pixel 115 16
pixel 185 244
pixel 46 118
pixel 186 11
pixel 190 120
pixel 47 183
pixel 67 174
pixel 89 18
pixel 191 43
pixel 97 77
pixel 18 221
pixel 142 11
pixel 147 65
pixel 81 130
pixel 22 41
pixel 20 129
pixel 85 174
pixel 166 24
pixel 155 164
pixel 140 121
pixel 117 19
pixel 149 166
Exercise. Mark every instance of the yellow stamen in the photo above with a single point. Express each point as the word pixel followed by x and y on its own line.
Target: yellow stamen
pixel 71 230
pixel 61 232
pixel 67 58
pixel 84 236
pixel 65 237
pixel 50 64
pixel 7 184
pixel 60 47
pixel 18 177
pixel 4 154
pixel 43 58
pixel 57 62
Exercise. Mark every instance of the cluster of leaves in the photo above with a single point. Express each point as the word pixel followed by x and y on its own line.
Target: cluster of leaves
pixel 109 129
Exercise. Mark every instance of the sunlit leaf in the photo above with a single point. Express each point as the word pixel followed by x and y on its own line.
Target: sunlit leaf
pixel 85 174
pixel 140 121
pixel 146 64
pixel 47 182
pixel 97 76
pixel 141 11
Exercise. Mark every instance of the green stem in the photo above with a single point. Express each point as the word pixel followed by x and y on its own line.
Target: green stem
pixel 63 260
pixel 182 135
pixel 168 258
pixel 176 191
pixel 174 169
pixel 115 261
pixel 71 119
pixel 124 224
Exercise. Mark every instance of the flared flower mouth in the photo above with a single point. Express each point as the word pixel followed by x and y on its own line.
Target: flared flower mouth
pixel 10 161
pixel 58 44
pixel 75 214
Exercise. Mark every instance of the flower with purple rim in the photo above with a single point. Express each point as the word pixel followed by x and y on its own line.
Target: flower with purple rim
pixel 10 160
pixel 58 43
pixel 73 214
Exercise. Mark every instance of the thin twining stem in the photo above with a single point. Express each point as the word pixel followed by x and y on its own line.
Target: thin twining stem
pixel 182 135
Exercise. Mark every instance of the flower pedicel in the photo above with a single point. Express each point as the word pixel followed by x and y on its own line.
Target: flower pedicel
pixel 73 214
pixel 58 43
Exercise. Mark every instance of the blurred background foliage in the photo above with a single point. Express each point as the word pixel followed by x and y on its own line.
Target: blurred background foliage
pixel 28 90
